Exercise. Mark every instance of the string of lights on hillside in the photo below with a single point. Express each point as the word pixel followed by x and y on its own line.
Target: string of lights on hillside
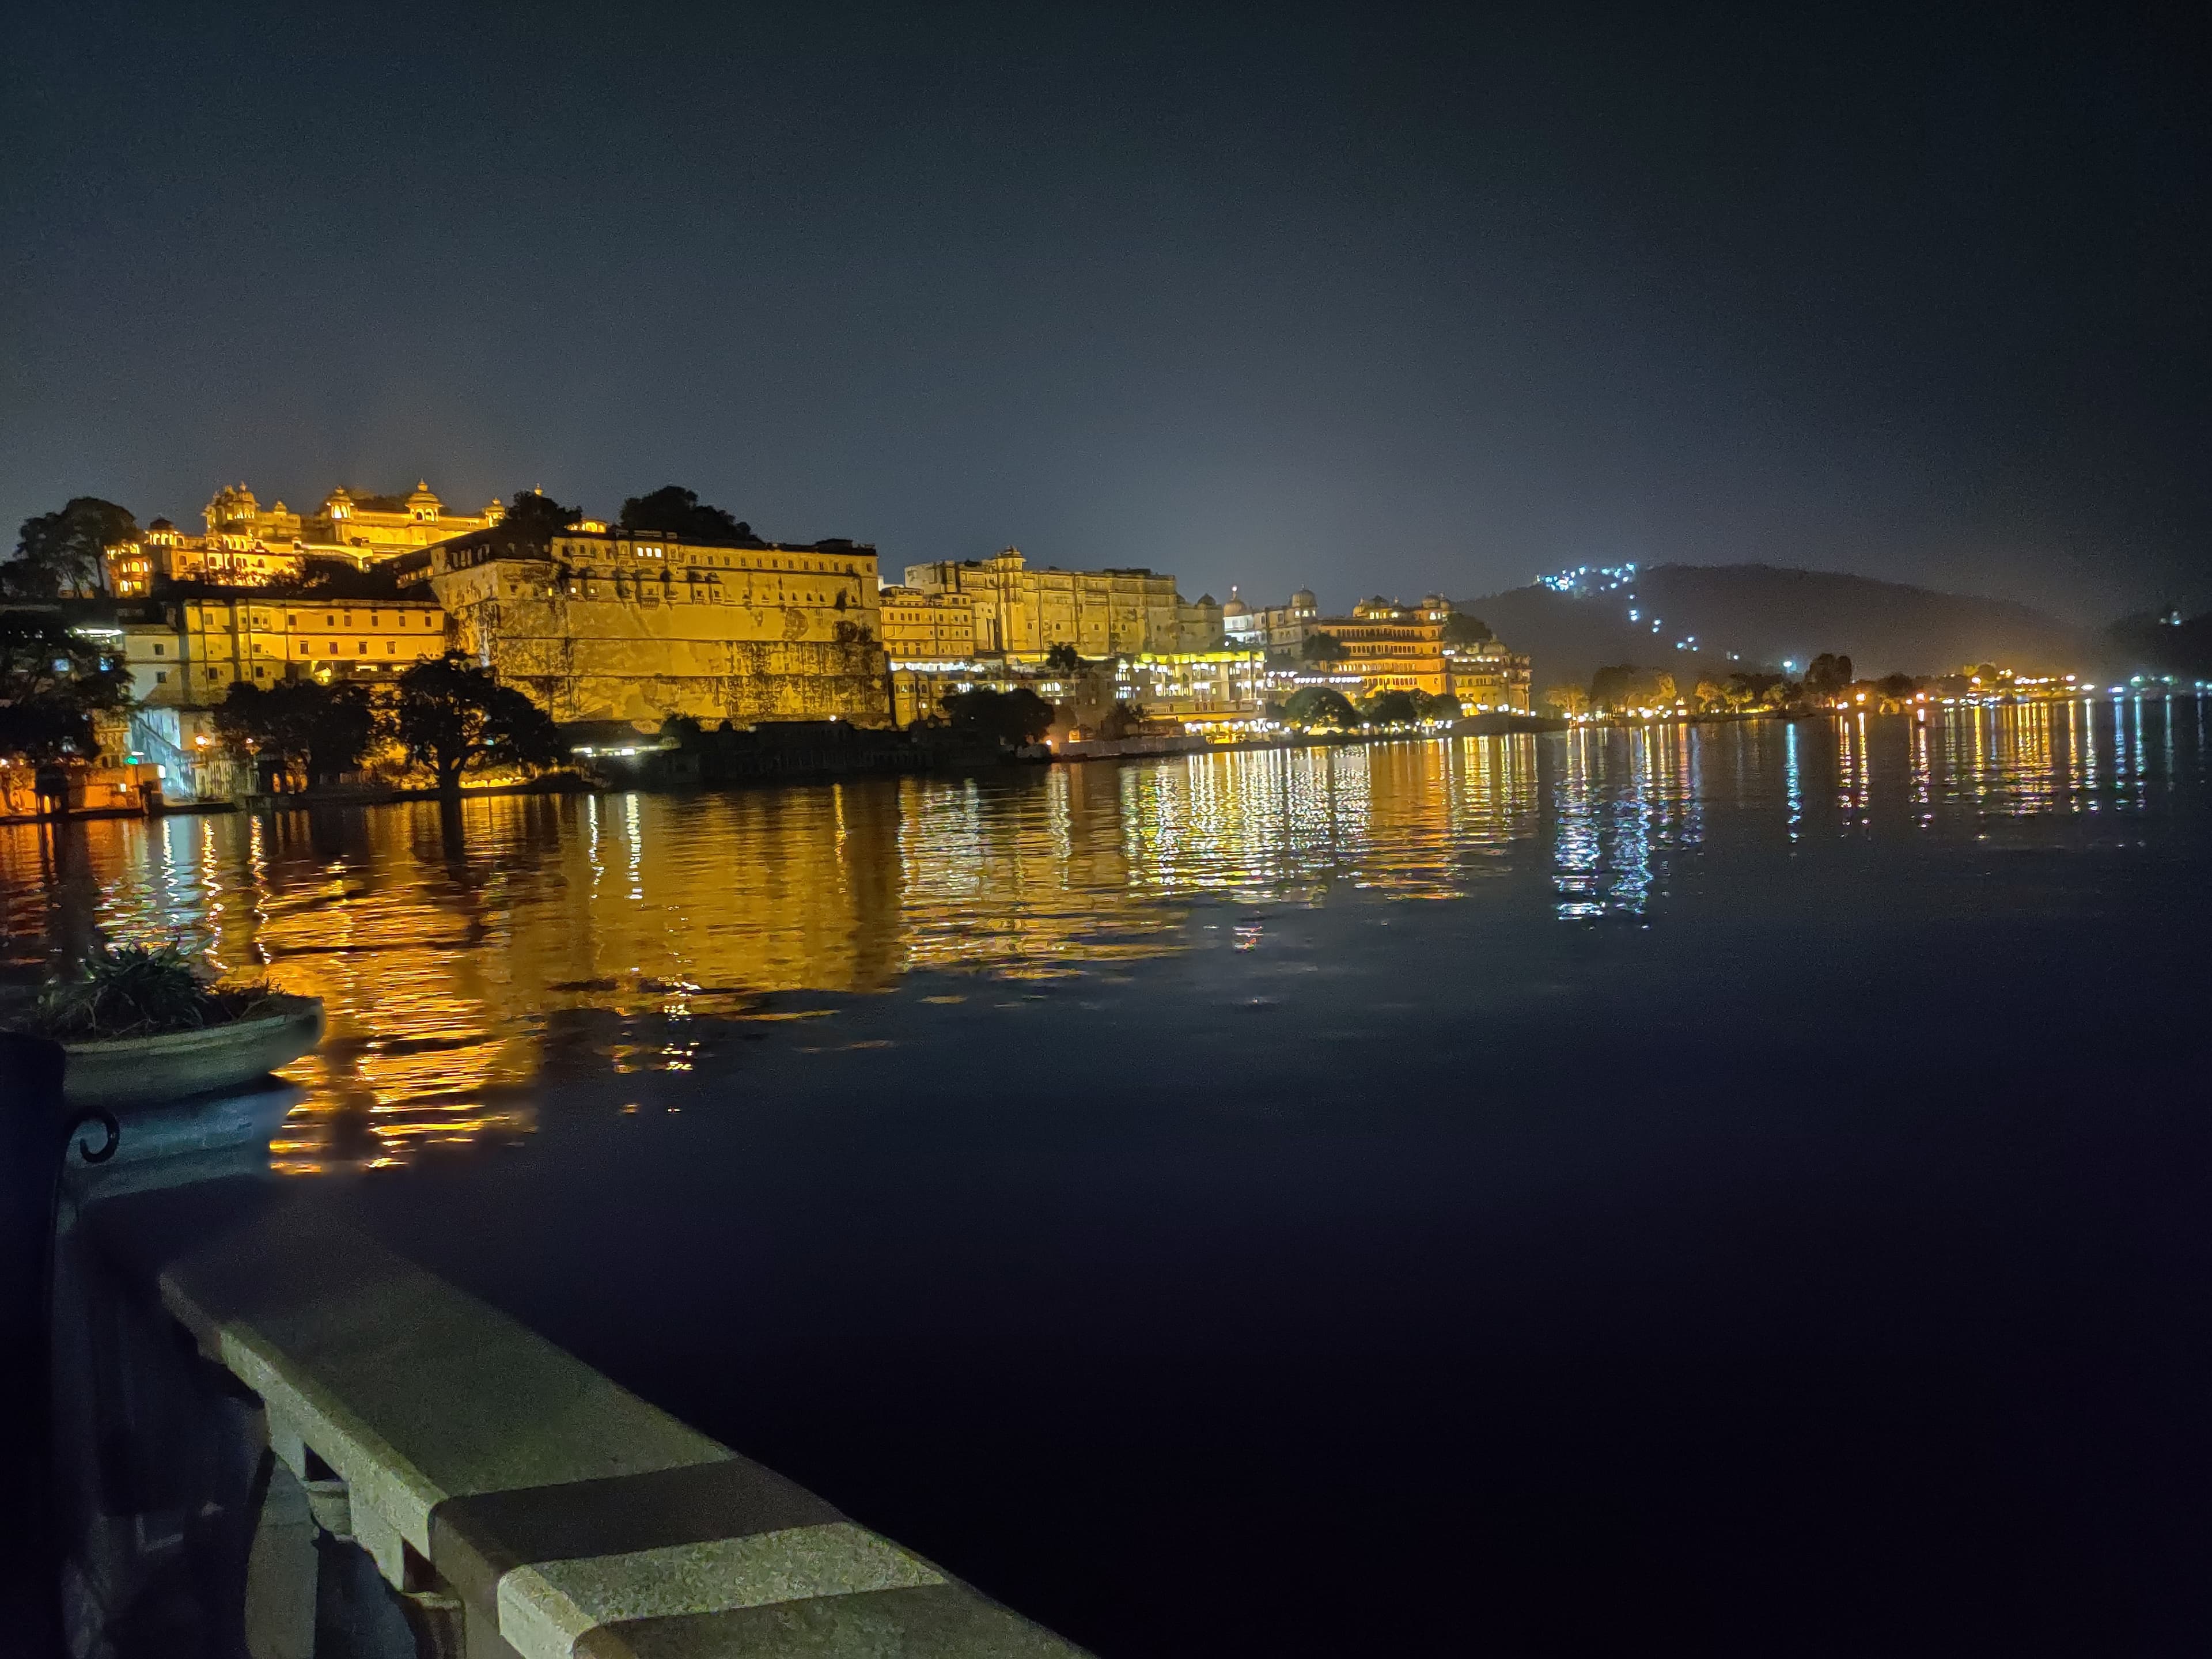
pixel 1593 581
pixel 1590 581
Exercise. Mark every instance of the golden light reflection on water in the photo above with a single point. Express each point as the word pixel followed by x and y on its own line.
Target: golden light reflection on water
pixel 459 961
pixel 633 933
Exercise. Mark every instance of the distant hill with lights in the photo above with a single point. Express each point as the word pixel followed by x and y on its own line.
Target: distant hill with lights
pixel 1715 618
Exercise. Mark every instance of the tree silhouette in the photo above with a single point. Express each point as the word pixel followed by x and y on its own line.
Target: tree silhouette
pixel 1393 707
pixel 67 550
pixel 1625 686
pixel 1321 646
pixel 534 516
pixel 52 684
pixel 1320 705
pixel 1755 688
pixel 1123 720
pixel 1018 716
pixel 672 510
pixel 321 730
pixel 1829 674
pixel 455 717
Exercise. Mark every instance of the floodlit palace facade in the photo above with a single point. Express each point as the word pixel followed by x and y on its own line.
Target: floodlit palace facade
pixel 599 623
pixel 1021 611
pixel 613 625
pixel 1388 647
pixel 245 545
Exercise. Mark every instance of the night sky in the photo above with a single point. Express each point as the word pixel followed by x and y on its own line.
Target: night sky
pixel 1360 298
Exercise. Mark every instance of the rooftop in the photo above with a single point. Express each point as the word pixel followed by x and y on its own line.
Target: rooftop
pixel 501 534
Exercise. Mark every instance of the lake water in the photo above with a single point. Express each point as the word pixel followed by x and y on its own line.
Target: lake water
pixel 1747 1187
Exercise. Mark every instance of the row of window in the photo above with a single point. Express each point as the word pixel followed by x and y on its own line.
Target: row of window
pixel 652 592
pixel 720 562
pixel 337 649
pixel 724 561
pixel 260 672
pixel 402 619
pixel 669 577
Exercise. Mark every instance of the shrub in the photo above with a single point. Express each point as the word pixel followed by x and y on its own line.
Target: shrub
pixel 130 990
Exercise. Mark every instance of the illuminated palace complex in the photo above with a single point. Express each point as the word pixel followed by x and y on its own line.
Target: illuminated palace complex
pixel 185 650
pixel 604 623
pixel 247 544
pixel 1274 630
pixel 193 650
pixel 1199 662
pixel 1021 611
pixel 611 624
pixel 1399 648
pixel 1388 647
pixel 600 624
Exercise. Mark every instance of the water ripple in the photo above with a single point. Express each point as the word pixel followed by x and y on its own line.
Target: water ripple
pixel 461 957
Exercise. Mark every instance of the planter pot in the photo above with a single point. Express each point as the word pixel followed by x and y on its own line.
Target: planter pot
pixel 138 1071
pixel 168 1130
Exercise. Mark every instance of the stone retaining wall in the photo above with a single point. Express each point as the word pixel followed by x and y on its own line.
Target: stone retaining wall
pixel 513 1501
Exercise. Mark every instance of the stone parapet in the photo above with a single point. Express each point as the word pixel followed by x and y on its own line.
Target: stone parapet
pixel 514 1501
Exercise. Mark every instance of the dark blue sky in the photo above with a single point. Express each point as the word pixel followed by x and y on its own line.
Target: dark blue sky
pixel 1358 298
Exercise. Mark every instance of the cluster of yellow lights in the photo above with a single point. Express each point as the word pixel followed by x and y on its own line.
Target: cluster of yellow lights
pixel 2008 687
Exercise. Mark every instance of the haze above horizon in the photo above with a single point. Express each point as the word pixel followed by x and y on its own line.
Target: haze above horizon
pixel 1395 301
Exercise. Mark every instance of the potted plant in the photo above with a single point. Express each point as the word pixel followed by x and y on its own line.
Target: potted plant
pixel 140 1024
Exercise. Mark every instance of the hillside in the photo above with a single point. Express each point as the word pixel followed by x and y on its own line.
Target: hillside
pixel 2149 645
pixel 1766 617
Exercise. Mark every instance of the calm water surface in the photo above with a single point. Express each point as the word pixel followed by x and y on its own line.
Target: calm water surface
pixel 1745 1186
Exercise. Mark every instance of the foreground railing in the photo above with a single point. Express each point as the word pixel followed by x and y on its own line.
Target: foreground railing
pixel 322 1396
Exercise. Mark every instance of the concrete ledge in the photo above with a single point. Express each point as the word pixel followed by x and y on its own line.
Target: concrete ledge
pixel 571 1517
pixel 211 1122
